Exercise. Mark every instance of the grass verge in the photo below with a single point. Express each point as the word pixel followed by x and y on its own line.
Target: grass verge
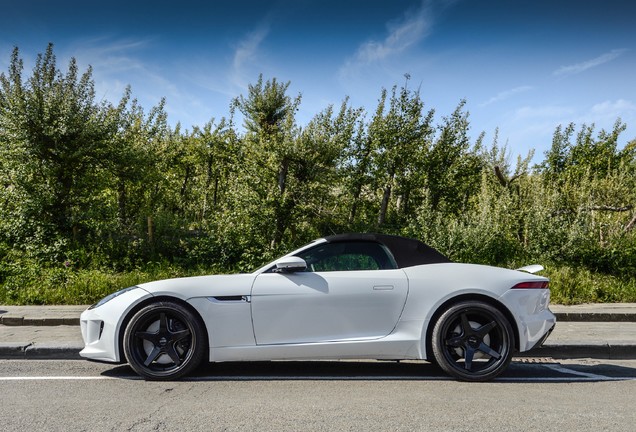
pixel 67 286
pixel 49 286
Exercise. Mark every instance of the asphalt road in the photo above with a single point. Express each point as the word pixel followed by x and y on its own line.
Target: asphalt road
pixel 536 394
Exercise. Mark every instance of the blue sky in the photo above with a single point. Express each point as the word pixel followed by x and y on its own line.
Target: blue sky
pixel 523 66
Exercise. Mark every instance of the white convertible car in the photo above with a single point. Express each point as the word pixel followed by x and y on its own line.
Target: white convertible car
pixel 363 296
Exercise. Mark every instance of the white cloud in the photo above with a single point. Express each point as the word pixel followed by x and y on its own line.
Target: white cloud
pixel 506 95
pixel 400 38
pixel 249 46
pixel 583 66
pixel 111 56
pixel 401 35
pixel 614 108
pixel 533 126
pixel 118 63
pixel 604 114
pixel 555 112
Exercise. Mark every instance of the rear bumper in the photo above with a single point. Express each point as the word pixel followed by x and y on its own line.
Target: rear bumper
pixel 543 339
pixel 534 319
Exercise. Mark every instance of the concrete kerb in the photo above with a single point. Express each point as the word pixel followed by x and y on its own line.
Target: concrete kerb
pixel 602 312
pixel 596 317
pixel 40 324
pixel 561 351
pixel 40 351
pixel 40 315
pixel 53 351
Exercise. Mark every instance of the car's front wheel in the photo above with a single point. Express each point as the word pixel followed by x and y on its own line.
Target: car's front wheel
pixel 473 341
pixel 164 341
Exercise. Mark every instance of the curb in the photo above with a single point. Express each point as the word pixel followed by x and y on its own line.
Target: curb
pixel 595 316
pixel 52 321
pixel 577 351
pixel 32 351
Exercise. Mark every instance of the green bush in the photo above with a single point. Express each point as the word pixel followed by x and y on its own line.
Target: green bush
pixel 574 285
pixel 69 286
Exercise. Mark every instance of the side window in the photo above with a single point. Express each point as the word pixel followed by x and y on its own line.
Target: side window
pixel 345 256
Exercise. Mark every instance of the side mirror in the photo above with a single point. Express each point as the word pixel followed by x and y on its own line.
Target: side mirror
pixel 290 264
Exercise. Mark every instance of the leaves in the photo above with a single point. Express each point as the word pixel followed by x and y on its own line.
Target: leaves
pixel 113 186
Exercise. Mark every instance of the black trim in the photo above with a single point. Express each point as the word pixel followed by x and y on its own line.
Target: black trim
pixel 229 298
pixel 407 252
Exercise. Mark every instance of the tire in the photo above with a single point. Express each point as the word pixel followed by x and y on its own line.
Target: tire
pixel 164 341
pixel 473 341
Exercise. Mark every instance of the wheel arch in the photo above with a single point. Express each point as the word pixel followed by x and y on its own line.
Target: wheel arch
pixel 468 297
pixel 142 304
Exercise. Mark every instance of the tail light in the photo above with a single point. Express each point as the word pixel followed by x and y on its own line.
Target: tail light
pixel 532 285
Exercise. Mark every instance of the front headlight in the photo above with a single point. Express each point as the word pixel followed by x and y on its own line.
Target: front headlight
pixel 111 296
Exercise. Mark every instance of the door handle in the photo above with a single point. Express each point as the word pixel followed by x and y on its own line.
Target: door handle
pixel 382 287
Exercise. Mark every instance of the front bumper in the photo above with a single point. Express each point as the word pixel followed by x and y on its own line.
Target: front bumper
pixel 101 326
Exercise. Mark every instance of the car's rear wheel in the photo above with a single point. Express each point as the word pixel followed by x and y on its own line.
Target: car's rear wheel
pixel 164 341
pixel 473 341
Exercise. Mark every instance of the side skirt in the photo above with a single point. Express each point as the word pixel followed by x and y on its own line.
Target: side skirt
pixel 404 343
pixel 329 350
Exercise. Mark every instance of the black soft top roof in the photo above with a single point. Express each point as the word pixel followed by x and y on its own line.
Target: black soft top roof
pixel 407 252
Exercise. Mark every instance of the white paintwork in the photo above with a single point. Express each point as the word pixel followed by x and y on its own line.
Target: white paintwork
pixel 533 268
pixel 380 314
pixel 102 344
pixel 229 323
pixel 326 306
pixel 291 263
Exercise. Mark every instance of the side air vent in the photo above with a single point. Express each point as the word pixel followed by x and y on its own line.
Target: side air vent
pixel 233 298
pixel 229 298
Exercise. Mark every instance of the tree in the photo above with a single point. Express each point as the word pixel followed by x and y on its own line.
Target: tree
pixel 399 141
pixel 318 170
pixel 453 168
pixel 136 140
pixel 52 146
pixel 271 130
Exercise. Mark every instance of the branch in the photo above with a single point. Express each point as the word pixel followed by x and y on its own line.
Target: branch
pixel 631 223
pixel 500 176
pixel 515 177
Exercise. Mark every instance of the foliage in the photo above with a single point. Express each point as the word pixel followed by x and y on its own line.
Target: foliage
pixel 96 196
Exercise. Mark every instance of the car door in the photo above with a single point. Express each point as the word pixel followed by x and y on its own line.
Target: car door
pixel 350 291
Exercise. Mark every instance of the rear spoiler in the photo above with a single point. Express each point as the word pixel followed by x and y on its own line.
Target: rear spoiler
pixel 533 268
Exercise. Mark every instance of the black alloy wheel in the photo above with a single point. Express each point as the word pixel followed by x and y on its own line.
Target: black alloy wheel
pixel 164 341
pixel 473 341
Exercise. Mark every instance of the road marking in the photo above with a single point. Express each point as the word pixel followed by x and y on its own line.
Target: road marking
pixel 561 369
pixel 57 378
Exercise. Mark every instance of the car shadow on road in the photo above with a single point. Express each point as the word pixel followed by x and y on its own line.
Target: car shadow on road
pixel 302 370
pixel 521 371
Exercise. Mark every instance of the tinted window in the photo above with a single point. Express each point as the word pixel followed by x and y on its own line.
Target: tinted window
pixel 343 256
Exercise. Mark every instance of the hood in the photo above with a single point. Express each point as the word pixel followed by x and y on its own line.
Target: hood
pixel 201 286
